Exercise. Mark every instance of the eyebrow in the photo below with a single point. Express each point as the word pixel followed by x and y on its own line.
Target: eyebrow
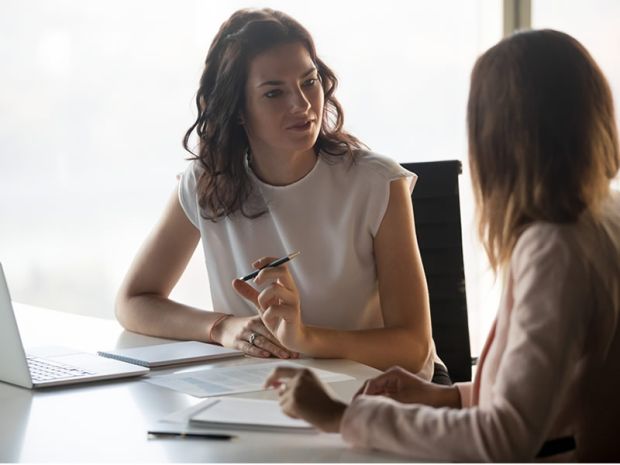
pixel 279 83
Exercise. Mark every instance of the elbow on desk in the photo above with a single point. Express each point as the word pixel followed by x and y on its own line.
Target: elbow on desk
pixel 120 310
pixel 412 353
pixel 124 312
pixel 418 351
pixel 135 312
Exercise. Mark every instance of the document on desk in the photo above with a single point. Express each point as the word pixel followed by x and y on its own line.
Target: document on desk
pixel 217 381
pixel 248 414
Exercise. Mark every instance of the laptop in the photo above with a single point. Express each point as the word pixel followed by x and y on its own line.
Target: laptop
pixel 52 366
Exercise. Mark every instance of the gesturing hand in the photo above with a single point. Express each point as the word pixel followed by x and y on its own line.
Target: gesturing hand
pixel 278 304
pixel 403 386
pixel 250 335
pixel 303 395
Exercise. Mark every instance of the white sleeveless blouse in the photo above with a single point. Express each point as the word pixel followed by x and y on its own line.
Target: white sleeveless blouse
pixel 331 216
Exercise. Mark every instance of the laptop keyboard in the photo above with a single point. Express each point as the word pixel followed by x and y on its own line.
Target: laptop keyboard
pixel 45 370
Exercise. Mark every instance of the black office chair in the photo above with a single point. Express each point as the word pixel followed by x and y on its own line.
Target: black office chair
pixel 438 228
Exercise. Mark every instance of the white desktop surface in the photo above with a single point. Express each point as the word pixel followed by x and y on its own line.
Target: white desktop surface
pixel 108 421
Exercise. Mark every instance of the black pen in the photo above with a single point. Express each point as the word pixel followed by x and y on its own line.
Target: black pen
pixel 274 263
pixel 169 434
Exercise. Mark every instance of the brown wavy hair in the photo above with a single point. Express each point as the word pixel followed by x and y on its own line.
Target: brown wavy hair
pixel 543 143
pixel 223 186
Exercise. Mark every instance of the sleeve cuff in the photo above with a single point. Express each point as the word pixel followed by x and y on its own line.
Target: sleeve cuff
pixel 465 391
pixel 352 426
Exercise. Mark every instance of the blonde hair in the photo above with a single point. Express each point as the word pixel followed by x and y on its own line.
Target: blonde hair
pixel 543 143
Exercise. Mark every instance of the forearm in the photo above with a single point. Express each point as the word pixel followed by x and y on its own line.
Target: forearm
pixel 158 316
pixel 380 348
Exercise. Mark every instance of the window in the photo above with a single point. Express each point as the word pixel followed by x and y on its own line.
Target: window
pixel 97 95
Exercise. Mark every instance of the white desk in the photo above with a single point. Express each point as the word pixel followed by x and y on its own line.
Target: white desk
pixel 108 421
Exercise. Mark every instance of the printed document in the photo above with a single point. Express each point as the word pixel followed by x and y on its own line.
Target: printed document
pixel 217 381
pixel 252 414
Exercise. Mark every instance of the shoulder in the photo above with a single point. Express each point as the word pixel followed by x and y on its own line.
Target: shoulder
pixel 549 246
pixel 370 167
pixel 188 178
pixel 188 191
pixel 592 243
pixel 380 165
pixel 193 169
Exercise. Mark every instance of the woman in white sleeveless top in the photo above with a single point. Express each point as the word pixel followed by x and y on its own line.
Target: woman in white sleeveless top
pixel 543 148
pixel 274 172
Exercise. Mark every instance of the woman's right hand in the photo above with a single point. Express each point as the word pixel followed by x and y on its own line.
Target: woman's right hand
pixel 236 333
pixel 403 386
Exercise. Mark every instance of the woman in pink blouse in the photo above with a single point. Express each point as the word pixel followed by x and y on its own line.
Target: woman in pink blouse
pixel 543 149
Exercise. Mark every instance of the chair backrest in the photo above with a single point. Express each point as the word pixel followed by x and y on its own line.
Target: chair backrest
pixel 438 228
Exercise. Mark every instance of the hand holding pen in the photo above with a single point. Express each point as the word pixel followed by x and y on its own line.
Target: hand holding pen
pixel 278 303
pixel 278 262
pixel 249 334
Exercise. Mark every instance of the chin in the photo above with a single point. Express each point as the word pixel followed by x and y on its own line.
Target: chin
pixel 303 145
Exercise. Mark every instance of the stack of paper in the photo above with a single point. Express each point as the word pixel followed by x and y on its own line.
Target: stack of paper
pixel 253 414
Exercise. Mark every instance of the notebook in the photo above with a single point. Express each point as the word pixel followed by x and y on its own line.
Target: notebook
pixel 248 414
pixel 49 366
pixel 172 353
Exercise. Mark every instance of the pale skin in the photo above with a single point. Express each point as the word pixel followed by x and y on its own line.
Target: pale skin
pixel 302 395
pixel 282 118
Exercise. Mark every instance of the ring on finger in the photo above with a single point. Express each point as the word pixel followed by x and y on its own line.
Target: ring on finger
pixel 252 338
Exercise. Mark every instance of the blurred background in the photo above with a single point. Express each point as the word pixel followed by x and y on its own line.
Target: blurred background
pixel 95 97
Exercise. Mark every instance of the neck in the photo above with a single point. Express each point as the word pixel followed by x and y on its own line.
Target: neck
pixel 280 168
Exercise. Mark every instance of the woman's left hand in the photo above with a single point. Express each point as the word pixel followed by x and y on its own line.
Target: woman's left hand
pixel 278 304
pixel 303 395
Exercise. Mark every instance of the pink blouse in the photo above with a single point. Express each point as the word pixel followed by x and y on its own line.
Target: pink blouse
pixel 550 367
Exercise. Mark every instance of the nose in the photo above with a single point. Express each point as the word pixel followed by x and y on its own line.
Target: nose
pixel 299 102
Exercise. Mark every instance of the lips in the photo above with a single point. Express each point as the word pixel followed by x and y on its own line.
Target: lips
pixel 301 125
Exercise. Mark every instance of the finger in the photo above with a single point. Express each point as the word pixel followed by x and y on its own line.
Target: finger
pixel 287 403
pixel 361 390
pixel 388 386
pixel 256 325
pixel 281 273
pixel 252 350
pixel 262 342
pixel 376 386
pixel 279 374
pixel 398 370
pixel 266 334
pixel 246 291
pixel 276 294
pixel 288 407
pixel 263 261
pixel 276 314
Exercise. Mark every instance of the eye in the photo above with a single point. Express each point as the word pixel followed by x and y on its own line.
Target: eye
pixel 273 93
pixel 310 82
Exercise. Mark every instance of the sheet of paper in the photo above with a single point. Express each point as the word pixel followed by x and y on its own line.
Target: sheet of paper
pixel 252 414
pixel 219 381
